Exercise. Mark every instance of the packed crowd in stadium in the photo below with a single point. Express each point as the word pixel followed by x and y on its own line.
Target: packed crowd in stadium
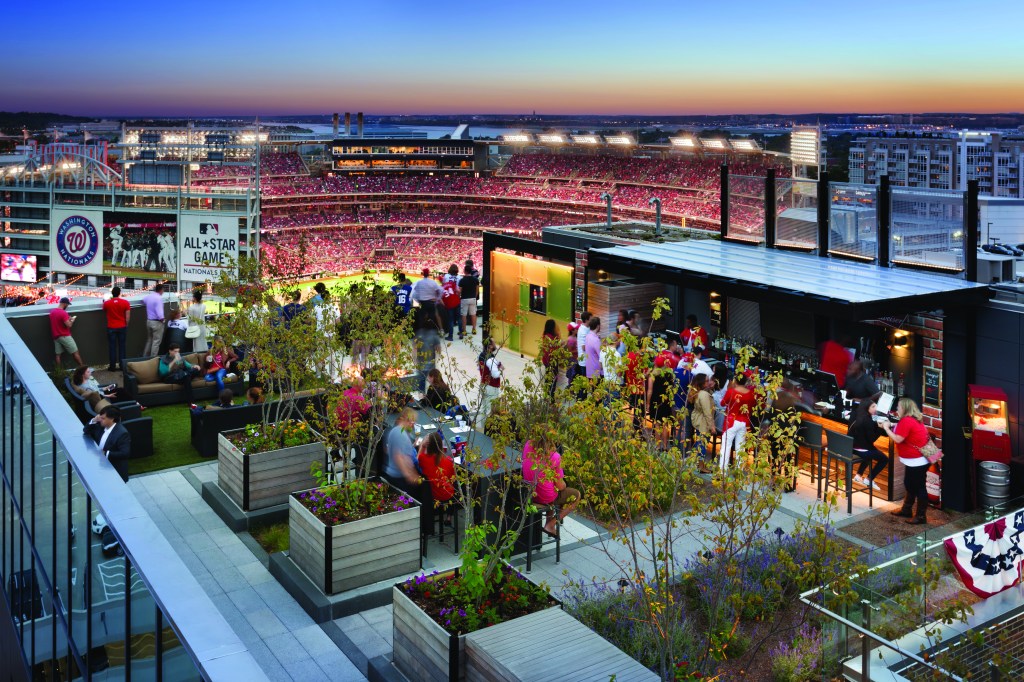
pixel 529 192
pixel 342 250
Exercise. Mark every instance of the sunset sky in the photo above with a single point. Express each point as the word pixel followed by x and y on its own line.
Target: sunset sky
pixel 388 57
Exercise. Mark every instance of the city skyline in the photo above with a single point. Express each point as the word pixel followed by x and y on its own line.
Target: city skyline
pixel 571 58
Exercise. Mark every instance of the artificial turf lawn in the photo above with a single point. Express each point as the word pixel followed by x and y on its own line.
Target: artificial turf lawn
pixel 172 440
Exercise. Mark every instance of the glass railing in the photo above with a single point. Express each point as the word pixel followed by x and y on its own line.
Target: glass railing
pixel 110 605
pixel 910 613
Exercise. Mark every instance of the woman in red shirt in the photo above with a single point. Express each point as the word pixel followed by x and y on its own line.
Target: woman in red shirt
pixel 910 436
pixel 739 402
pixel 438 468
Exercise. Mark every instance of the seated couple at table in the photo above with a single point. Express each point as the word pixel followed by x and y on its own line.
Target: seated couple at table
pixel 426 473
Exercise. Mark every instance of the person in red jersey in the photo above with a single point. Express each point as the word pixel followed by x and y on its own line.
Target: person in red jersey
pixel 118 312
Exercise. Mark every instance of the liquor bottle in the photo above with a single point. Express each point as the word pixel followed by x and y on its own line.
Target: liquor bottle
pixel 901 385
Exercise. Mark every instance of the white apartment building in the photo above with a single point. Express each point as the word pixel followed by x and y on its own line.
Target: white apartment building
pixel 943 161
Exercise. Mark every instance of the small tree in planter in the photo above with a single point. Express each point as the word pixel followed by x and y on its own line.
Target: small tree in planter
pixel 433 613
pixel 336 533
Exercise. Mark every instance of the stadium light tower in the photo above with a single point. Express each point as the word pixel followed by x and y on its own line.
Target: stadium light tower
pixel 656 202
pixel 605 196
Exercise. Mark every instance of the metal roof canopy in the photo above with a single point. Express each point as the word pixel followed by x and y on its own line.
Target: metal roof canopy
pixel 826 286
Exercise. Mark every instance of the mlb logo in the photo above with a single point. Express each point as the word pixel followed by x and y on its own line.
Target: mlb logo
pixel 208 228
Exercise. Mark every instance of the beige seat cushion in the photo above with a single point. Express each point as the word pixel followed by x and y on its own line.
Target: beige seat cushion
pixel 146 371
pixel 157 387
pixel 100 404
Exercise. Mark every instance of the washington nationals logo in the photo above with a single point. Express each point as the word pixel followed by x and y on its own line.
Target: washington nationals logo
pixel 78 242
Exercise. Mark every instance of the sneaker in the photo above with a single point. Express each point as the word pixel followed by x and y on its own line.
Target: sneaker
pixel 858 480
pixel 231 376
pixel 874 485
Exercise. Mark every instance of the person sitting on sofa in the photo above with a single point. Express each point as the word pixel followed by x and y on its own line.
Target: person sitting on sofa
pixel 221 355
pixel 83 381
pixel 225 399
pixel 174 369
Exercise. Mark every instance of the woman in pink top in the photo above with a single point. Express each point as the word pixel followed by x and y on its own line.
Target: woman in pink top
pixel 548 481
pixel 910 436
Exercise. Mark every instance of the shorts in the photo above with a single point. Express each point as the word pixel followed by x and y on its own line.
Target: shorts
pixel 468 306
pixel 65 344
pixel 565 496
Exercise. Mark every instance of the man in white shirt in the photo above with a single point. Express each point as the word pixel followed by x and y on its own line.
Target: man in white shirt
pixel 426 289
pixel 581 342
pixel 700 366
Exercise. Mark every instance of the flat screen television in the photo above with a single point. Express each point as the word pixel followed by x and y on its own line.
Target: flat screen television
pixel 15 267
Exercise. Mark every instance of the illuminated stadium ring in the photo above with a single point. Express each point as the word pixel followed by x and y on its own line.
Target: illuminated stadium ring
pixel 78 241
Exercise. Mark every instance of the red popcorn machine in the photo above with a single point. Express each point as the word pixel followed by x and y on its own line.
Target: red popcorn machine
pixel 989 424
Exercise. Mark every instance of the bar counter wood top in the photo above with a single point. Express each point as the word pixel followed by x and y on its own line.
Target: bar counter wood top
pixel 890 480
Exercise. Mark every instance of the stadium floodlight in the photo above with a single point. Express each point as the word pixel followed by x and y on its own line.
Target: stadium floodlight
pixel 586 139
pixel 517 138
pixel 249 138
pixel 745 146
pixel 717 145
pixel 684 142
pixel 621 140
pixel 173 138
pixel 551 138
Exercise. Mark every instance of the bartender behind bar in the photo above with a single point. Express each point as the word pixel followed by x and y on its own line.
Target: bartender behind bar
pixel 859 384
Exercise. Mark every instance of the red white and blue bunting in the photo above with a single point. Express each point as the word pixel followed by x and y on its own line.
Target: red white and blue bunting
pixel 988 557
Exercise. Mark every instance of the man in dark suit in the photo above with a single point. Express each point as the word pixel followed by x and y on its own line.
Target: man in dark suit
pixel 106 431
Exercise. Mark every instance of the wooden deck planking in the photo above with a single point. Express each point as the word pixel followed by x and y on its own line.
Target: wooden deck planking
pixel 548 645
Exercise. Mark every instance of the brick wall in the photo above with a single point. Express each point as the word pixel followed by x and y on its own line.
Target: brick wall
pixel 928 329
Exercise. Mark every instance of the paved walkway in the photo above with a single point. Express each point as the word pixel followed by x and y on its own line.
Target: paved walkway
pixel 282 638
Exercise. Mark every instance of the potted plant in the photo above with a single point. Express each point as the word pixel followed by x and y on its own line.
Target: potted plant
pixel 258 466
pixel 353 533
pixel 434 613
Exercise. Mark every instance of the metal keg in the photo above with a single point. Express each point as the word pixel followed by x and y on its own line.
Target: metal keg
pixel 993 483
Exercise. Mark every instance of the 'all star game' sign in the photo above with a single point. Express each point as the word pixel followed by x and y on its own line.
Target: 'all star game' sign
pixel 208 246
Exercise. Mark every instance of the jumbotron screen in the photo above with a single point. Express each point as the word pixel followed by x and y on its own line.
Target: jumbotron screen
pixel 17 268
pixel 136 244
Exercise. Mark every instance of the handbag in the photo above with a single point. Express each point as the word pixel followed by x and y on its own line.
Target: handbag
pixel 931 452
pixel 193 331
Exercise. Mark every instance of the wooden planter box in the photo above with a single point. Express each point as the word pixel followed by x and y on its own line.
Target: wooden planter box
pixel 265 479
pixel 423 650
pixel 354 554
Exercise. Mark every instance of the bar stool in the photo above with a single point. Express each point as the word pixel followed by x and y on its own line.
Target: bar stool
pixel 533 528
pixel 809 436
pixel 840 449
pixel 448 512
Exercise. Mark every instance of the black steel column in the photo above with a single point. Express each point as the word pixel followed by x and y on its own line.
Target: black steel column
pixel 770 215
pixel 972 234
pixel 884 220
pixel 824 213
pixel 724 200
pixel 485 280
pixel 958 341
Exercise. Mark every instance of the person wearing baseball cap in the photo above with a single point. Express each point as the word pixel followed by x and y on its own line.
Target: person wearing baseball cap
pixel 60 331
pixel 426 290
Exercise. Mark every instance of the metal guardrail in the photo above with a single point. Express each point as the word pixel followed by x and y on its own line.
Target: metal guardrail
pixel 211 643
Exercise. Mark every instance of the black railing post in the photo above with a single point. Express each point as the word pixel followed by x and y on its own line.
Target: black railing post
pixel 972 233
pixel 884 220
pixel 724 200
pixel 770 214
pixel 824 213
